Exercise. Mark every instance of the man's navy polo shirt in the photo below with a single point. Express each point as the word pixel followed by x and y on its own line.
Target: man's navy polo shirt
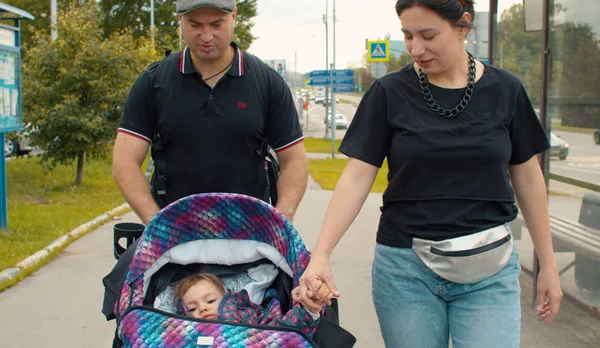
pixel 211 135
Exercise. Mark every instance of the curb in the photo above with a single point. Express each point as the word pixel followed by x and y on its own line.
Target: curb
pixel 11 276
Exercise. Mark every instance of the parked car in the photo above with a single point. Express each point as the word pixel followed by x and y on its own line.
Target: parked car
pixel 328 102
pixel 558 147
pixel 597 136
pixel 340 121
pixel 18 144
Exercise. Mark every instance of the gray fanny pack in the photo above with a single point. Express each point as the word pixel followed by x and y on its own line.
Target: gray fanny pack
pixel 468 259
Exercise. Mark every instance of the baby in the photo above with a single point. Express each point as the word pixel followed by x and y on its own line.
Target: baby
pixel 205 297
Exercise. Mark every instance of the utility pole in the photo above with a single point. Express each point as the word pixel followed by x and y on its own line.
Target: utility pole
pixel 152 21
pixel 326 21
pixel 333 125
pixel 53 20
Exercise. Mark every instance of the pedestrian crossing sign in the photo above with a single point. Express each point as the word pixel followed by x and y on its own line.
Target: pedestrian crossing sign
pixel 378 51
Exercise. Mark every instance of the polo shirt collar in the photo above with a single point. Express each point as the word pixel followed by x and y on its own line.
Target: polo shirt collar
pixel 186 66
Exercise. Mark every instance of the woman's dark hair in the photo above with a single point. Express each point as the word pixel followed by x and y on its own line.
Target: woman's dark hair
pixel 451 10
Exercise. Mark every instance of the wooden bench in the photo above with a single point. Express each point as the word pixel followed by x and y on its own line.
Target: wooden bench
pixel 568 236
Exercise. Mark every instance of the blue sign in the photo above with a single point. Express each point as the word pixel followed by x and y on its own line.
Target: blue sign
pixel 378 51
pixel 336 73
pixel 343 88
pixel 324 81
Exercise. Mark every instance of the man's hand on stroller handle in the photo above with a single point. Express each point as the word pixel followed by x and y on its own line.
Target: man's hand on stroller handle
pixel 316 284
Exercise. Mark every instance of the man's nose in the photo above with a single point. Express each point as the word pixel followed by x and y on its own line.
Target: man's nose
pixel 206 34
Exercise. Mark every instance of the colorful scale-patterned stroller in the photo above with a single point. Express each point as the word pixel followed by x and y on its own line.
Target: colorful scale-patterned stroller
pixel 243 240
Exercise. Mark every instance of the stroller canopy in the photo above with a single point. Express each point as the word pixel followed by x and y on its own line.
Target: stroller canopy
pixel 208 218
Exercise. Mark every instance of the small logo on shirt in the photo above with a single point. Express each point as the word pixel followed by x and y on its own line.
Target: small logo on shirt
pixel 242 105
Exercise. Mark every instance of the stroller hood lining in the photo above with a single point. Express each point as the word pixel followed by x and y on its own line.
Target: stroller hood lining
pixel 221 252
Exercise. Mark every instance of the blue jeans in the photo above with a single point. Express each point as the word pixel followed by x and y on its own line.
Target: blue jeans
pixel 417 308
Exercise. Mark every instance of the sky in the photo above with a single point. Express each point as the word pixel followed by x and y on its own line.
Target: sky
pixel 289 29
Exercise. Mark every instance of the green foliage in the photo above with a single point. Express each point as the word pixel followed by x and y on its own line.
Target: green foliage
pixel 575 68
pixel 40 9
pixel 395 63
pixel 243 24
pixel 74 89
pixel 320 145
pixel 132 16
pixel 118 15
pixel 519 51
pixel 327 172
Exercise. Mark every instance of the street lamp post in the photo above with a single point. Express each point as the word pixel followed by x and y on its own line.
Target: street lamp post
pixel 53 20
pixel 326 22
pixel 333 125
pixel 152 21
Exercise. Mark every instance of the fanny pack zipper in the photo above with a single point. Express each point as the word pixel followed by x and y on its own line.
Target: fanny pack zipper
pixel 471 252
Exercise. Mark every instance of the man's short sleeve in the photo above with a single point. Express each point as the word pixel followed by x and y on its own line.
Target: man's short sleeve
pixel 527 136
pixel 369 134
pixel 283 125
pixel 138 119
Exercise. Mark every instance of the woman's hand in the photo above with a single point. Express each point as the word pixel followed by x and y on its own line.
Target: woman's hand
pixel 310 287
pixel 549 295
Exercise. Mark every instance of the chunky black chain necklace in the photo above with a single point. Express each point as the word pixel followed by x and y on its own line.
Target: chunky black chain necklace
pixel 435 107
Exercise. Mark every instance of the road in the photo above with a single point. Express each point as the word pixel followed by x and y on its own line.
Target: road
pixel 583 162
pixel 315 126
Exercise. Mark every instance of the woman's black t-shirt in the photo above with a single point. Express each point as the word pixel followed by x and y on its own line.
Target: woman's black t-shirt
pixel 448 177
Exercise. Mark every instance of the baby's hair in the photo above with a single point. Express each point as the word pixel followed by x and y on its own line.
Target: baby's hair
pixel 184 285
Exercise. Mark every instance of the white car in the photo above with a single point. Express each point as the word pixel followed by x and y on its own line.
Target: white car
pixel 17 145
pixel 340 121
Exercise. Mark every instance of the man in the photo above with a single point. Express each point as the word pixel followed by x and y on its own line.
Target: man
pixel 211 123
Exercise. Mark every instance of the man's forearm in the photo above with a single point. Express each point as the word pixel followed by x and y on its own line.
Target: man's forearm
pixel 291 187
pixel 135 189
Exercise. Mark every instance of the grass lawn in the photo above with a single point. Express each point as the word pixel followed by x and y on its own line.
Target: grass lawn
pixel 43 206
pixel 328 171
pixel 320 145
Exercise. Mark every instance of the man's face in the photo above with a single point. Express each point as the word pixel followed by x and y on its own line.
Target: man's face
pixel 208 32
pixel 202 300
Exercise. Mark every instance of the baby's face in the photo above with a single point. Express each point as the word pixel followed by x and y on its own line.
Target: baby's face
pixel 202 300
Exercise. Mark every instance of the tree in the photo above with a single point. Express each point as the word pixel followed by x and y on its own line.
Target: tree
pixel 575 65
pixel 75 88
pixel 135 14
pixel 519 51
pixel 243 24
pixel 40 9
pixel 395 63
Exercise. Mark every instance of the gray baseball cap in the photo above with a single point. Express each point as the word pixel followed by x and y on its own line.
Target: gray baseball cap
pixel 185 6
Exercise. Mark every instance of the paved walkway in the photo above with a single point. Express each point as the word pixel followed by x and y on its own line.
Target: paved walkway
pixel 59 306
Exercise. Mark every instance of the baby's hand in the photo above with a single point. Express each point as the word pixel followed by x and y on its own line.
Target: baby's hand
pixel 323 295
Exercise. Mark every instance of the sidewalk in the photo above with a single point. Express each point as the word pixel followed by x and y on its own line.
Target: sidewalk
pixel 59 306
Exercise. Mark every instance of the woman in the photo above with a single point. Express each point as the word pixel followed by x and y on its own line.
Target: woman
pixel 461 140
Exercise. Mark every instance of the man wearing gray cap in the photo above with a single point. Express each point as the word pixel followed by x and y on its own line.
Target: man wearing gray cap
pixel 208 111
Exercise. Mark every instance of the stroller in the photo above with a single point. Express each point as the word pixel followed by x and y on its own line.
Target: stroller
pixel 242 240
